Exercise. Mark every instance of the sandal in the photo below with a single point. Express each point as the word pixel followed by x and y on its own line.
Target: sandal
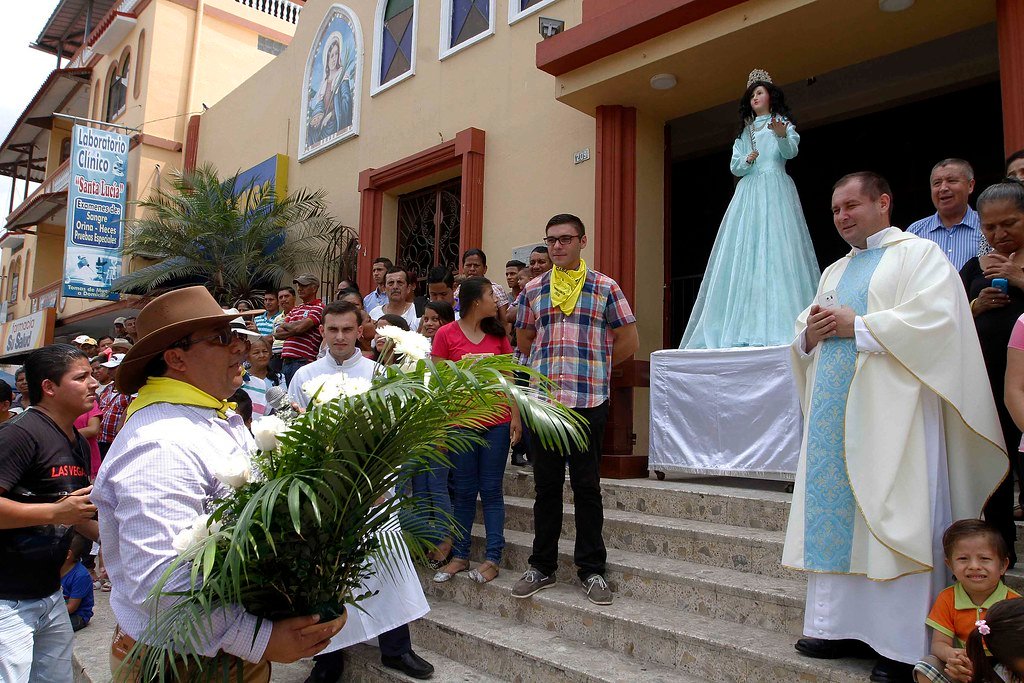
pixel 436 564
pixel 457 565
pixel 105 585
pixel 485 573
pixel 1018 512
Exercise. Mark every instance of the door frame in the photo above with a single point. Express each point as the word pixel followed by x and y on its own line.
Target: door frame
pixel 466 149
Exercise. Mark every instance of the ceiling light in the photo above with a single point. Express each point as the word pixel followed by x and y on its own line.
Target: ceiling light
pixel 663 81
pixel 894 5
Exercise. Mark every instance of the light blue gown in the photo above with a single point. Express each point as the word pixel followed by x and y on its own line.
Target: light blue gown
pixel 762 272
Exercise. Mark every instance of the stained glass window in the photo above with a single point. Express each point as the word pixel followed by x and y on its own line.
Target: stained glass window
pixel 520 9
pixel 469 18
pixel 396 41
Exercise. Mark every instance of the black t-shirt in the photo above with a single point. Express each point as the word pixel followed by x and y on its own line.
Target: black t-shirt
pixel 38 464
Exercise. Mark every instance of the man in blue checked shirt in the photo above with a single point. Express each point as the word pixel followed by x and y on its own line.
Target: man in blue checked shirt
pixel 954 226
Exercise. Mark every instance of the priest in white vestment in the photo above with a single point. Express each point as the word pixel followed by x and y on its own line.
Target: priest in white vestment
pixel 900 436
pixel 400 599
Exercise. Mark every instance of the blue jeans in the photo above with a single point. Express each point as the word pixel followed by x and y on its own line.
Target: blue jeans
pixel 35 641
pixel 481 470
pixel 431 516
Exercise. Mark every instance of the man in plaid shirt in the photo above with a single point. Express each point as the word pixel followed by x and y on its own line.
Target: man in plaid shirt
pixel 574 324
pixel 114 404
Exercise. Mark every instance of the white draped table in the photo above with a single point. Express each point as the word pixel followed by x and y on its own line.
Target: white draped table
pixel 727 412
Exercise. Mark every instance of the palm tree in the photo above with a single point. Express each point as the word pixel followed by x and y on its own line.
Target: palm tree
pixel 237 241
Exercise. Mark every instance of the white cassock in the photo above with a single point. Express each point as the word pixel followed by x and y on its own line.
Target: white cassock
pixel 900 438
pixel 400 598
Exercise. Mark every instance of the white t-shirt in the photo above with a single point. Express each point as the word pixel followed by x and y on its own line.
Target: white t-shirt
pixel 256 388
pixel 409 315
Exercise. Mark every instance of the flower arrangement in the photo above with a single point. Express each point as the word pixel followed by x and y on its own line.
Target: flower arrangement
pixel 311 515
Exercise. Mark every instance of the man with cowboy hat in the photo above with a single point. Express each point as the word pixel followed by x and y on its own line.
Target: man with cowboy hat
pixel 156 479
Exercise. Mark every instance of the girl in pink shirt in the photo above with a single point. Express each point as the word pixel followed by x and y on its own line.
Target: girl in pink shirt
pixel 481 469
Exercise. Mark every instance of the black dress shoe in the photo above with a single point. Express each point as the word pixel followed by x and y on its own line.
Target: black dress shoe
pixel 327 668
pixel 833 649
pixel 411 664
pixel 890 671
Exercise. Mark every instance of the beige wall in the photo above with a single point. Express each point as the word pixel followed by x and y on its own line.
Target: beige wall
pixel 493 85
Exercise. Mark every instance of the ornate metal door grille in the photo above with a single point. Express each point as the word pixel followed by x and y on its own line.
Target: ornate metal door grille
pixel 428 227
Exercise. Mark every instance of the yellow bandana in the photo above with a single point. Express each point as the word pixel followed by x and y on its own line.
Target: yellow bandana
pixel 566 286
pixel 167 390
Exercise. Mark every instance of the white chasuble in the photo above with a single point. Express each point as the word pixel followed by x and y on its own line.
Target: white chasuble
pixel 900 438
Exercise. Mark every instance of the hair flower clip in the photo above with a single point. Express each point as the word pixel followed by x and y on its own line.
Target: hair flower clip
pixel 983 628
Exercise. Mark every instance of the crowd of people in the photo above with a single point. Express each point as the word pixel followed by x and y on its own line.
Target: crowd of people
pixel 909 362
pixel 134 412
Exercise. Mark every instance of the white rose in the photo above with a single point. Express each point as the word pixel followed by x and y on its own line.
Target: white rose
pixel 354 386
pixel 232 468
pixel 413 346
pixel 327 385
pixel 391 332
pixel 182 540
pixel 266 431
pixel 196 532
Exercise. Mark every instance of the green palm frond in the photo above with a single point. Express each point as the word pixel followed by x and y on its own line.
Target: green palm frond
pixel 322 518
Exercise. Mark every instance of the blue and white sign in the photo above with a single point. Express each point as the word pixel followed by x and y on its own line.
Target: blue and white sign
pixel 96 208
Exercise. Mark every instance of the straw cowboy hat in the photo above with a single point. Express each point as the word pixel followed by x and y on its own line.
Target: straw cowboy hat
pixel 165 320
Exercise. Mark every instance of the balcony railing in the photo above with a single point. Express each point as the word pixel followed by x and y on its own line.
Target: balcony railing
pixel 281 9
pixel 54 183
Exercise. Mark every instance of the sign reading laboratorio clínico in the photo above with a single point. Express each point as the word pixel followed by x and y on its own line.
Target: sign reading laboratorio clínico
pixel 96 207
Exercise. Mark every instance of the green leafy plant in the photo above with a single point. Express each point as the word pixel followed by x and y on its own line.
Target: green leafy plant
pixel 316 517
pixel 235 238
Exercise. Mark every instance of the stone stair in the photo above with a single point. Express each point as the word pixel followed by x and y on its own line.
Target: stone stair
pixel 700 596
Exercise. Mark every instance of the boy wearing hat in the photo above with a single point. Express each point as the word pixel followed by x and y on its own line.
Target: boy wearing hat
pixel 156 479
pixel 113 405
pixel 86 343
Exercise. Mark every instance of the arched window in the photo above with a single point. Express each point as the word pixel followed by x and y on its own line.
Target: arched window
pixel 12 294
pixel 464 22
pixel 140 52
pixel 65 149
pixel 117 90
pixel 395 57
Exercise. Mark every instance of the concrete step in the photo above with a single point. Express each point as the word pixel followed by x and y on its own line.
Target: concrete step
pixel 700 646
pixel 768 602
pixel 1015 577
pixel 758 504
pixel 362 665
pixel 754 551
pixel 522 652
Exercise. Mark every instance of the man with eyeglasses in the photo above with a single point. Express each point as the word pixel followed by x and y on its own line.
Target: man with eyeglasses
pixel 156 479
pixel 574 324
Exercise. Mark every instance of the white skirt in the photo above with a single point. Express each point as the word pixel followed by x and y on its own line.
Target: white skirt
pixel 398 601
pixel 889 615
